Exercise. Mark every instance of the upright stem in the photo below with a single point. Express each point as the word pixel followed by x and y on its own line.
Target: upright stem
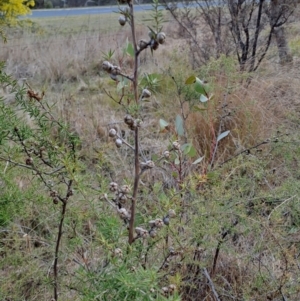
pixel 136 132
pixel 58 240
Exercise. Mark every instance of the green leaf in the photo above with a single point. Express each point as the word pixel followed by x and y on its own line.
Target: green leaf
pixel 179 125
pixel 199 109
pixel 191 80
pixel 177 161
pixel 203 98
pixel 163 124
pixel 199 86
pixel 154 157
pixel 130 49
pixel 122 84
pixel 184 147
pixel 198 160
pixel 189 150
pixel 223 135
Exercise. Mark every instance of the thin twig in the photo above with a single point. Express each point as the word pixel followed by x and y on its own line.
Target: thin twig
pixel 285 201
pixel 211 284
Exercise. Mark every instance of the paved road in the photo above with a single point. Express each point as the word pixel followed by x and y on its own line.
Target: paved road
pixel 65 12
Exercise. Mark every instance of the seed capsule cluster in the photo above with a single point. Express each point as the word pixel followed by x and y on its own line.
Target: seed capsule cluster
pixel 169 290
pixel 112 133
pixel 132 123
pixel 156 39
pixel 121 196
pixel 158 223
pixel 147 165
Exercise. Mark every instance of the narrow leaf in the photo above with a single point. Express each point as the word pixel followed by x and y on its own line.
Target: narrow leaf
pixel 199 86
pixel 189 150
pixel 191 80
pixel 198 160
pixel 199 109
pixel 163 124
pixel 130 49
pixel 223 135
pixel 185 147
pixel 203 98
pixel 179 125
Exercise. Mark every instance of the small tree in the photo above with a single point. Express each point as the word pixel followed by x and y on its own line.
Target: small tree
pixel 252 25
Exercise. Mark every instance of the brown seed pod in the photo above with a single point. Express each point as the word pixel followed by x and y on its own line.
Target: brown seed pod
pixel 118 142
pixel 143 44
pixel 122 20
pixel 53 193
pixel 122 198
pixel 176 145
pixel 165 290
pixel 29 161
pixel 118 252
pixel 107 66
pixel 113 186
pixel 55 201
pixel 159 223
pixel 161 37
pixel 166 220
pixel 125 189
pixel 112 133
pixel 171 213
pixel 141 232
pixel 129 120
pixel 70 192
pixel 147 165
pixel 166 154
pixel 115 70
pixel 172 288
pixel 146 93
pixel 152 223
pixel 123 213
pixel 154 45
pixel 152 233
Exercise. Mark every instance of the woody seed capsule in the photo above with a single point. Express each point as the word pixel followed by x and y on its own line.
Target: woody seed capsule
pixel 123 213
pixel 113 186
pixel 176 145
pixel 125 189
pixel 171 213
pixel 161 37
pixel 122 20
pixel 112 133
pixel 118 142
pixel 128 120
pixel 159 223
pixel 152 233
pixel 166 154
pixel 115 70
pixel 143 44
pixel 146 93
pixel 154 45
pixel 118 252
pixel 107 66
